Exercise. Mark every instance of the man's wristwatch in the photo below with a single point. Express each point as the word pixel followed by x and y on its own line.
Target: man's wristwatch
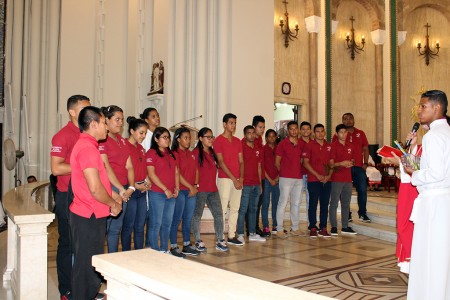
pixel 196 185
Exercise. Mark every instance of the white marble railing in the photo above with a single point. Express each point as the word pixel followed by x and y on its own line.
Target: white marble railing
pixel 149 274
pixel 28 218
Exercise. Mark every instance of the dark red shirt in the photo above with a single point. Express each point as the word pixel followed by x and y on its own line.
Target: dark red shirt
pixel 118 153
pixel 259 143
pixel 290 166
pixel 230 152
pixel 359 140
pixel 164 168
pixel 340 153
pixel 319 158
pixel 137 154
pixel 62 144
pixel 207 172
pixel 85 155
pixel 252 159
pixel 187 164
pixel 269 161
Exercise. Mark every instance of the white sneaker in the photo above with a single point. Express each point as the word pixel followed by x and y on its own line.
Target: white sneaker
pixel 256 238
pixel 241 239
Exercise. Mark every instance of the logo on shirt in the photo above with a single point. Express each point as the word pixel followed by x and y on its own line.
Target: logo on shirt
pixel 349 151
pixel 101 148
pixel 56 149
pixel 257 153
pixel 193 156
pixel 328 148
pixel 149 160
pixel 358 135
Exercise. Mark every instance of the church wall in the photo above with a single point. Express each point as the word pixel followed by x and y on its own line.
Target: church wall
pixel 415 74
pixel 353 81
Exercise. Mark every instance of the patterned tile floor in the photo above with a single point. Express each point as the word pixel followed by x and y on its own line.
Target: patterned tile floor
pixel 343 267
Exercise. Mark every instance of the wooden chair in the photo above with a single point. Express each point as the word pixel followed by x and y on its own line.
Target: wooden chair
pixel 388 171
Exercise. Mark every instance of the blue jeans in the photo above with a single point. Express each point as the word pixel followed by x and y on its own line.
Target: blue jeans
pixel 318 191
pixel 134 219
pixel 249 201
pixel 275 192
pixel 114 227
pixel 184 209
pixel 359 178
pixel 161 211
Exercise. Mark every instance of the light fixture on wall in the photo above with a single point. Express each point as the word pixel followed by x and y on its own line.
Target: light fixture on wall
pixel 352 46
pixel 427 51
pixel 285 29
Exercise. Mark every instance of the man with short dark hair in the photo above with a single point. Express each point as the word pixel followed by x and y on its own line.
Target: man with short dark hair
pixel 252 186
pixel 62 145
pixel 305 135
pixel 429 275
pixel 228 149
pixel 360 144
pixel 316 159
pixel 93 201
pixel 288 162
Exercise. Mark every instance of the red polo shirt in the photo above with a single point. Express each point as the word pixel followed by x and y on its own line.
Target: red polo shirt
pixel 230 152
pixel 252 158
pixel 62 145
pixel 137 154
pixel 259 143
pixel 118 153
pixel 340 153
pixel 85 155
pixel 207 172
pixel 304 171
pixel 358 139
pixel 319 158
pixel 290 154
pixel 164 168
pixel 269 161
pixel 187 164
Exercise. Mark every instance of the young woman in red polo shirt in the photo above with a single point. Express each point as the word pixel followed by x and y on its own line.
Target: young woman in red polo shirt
pixel 207 190
pixel 151 116
pixel 116 156
pixel 187 197
pixel 162 170
pixel 136 213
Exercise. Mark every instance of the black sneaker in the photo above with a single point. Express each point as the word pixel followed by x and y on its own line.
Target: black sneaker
pixel 259 231
pixel 334 231
pixel 200 246
pixel 234 241
pixel 189 250
pixel 174 252
pixel 222 246
pixel 347 230
pixel 364 218
pixel 350 217
pixel 100 296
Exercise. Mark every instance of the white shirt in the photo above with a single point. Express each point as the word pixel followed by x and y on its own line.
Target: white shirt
pixel 147 141
pixel 434 170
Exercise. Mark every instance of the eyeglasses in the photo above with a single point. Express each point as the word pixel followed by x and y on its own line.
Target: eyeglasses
pixel 209 137
pixel 165 137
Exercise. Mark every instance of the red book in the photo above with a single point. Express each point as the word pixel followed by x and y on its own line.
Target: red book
pixel 385 151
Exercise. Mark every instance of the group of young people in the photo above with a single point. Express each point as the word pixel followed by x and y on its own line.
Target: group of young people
pixel 110 185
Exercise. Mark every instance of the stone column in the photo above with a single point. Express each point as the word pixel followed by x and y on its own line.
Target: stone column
pixel 313 27
pixel 401 37
pixel 378 38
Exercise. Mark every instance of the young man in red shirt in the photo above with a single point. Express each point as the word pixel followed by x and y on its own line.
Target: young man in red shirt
pixel 288 162
pixel 252 186
pixel 228 149
pixel 259 123
pixel 342 158
pixel 93 202
pixel 62 145
pixel 305 135
pixel 361 147
pixel 316 160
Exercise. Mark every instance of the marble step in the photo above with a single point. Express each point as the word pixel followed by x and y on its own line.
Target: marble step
pixel 377 216
pixel 378 231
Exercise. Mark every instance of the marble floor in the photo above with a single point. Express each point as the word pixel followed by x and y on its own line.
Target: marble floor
pixel 343 267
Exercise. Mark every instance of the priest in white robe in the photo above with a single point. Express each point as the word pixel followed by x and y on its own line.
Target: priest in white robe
pixel 430 256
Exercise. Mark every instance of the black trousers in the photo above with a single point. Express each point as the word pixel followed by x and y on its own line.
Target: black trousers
pixel 64 251
pixel 88 239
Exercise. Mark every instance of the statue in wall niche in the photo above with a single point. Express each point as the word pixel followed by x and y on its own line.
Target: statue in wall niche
pixel 157 79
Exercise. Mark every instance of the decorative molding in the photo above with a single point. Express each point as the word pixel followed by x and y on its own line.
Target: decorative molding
pixel 378 36
pixel 334 26
pixel 156 101
pixel 401 37
pixel 313 24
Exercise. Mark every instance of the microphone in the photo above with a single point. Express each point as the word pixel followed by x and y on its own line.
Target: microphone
pixel 414 130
